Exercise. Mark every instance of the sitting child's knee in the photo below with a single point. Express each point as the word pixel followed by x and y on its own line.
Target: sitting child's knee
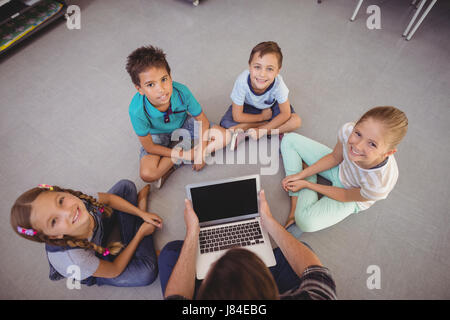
pixel 149 175
pixel 175 245
pixel 147 275
pixel 287 140
pixel 297 121
pixel 127 183
pixel 305 224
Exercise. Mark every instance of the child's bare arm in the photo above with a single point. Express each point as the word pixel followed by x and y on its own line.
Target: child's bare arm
pixel 108 269
pixel 336 193
pixel 276 122
pixel 120 204
pixel 241 117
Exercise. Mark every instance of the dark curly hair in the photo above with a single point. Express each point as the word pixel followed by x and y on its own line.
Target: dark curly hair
pixel 144 58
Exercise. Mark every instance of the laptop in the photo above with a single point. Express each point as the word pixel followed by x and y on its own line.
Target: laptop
pixel 228 214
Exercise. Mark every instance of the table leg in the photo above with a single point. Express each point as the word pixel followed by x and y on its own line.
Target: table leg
pixel 422 2
pixel 356 10
pixel 421 19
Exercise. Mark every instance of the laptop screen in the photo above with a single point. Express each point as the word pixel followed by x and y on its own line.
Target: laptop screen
pixel 225 200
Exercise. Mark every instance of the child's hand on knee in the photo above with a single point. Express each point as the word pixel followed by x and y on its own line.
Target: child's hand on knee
pixel 296 185
pixel 152 218
pixel 198 166
pixel 289 179
pixel 256 133
pixel 267 114
pixel 146 229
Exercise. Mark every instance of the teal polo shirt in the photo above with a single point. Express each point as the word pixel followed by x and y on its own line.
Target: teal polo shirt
pixel 146 119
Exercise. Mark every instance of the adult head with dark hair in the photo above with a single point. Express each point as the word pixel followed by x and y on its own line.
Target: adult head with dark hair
pixel 239 275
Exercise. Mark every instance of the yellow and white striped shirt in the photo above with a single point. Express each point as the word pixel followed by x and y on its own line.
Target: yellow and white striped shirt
pixel 375 183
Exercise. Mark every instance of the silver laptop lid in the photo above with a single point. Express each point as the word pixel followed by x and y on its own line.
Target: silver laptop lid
pixel 226 200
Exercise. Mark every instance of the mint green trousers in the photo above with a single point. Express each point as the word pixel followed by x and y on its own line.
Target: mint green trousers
pixel 312 214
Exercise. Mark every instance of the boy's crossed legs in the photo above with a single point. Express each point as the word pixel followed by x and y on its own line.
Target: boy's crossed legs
pixel 154 167
pixel 293 122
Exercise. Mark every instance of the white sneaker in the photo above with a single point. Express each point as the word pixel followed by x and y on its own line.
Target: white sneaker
pixel 237 138
pixel 159 183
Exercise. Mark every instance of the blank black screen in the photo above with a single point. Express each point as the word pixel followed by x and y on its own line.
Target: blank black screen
pixel 225 200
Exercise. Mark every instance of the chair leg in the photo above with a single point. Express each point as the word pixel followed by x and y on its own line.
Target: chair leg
pixel 356 10
pixel 422 2
pixel 421 20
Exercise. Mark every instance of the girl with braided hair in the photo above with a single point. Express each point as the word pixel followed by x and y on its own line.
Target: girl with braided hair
pixel 76 227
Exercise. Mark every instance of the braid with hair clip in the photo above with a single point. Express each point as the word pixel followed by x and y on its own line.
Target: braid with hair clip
pixel 23 227
pixel 112 248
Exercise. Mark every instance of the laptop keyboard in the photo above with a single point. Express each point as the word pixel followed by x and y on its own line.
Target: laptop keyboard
pixel 239 235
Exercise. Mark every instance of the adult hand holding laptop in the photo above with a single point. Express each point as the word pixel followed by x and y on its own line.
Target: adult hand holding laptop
pixel 191 219
pixel 297 254
pixel 182 279
pixel 298 273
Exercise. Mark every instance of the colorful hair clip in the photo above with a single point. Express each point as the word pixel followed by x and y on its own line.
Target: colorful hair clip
pixel 106 252
pixel 28 232
pixel 101 209
pixel 45 186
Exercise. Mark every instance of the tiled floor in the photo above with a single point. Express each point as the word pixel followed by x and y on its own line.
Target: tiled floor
pixel 64 120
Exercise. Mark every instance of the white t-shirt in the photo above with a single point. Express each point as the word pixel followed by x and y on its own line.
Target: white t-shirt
pixel 243 93
pixel 375 183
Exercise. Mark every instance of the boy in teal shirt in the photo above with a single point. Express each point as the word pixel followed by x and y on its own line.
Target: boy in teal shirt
pixel 158 109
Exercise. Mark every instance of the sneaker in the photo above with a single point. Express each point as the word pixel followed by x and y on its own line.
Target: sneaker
pixel 237 138
pixel 294 230
pixel 159 183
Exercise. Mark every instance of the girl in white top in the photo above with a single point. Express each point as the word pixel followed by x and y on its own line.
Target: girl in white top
pixel 361 168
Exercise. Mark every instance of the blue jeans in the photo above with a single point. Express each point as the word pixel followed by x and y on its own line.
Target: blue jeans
pixel 282 272
pixel 142 269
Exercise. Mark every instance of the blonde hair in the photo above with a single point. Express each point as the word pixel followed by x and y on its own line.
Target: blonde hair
pixel 21 212
pixel 394 121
